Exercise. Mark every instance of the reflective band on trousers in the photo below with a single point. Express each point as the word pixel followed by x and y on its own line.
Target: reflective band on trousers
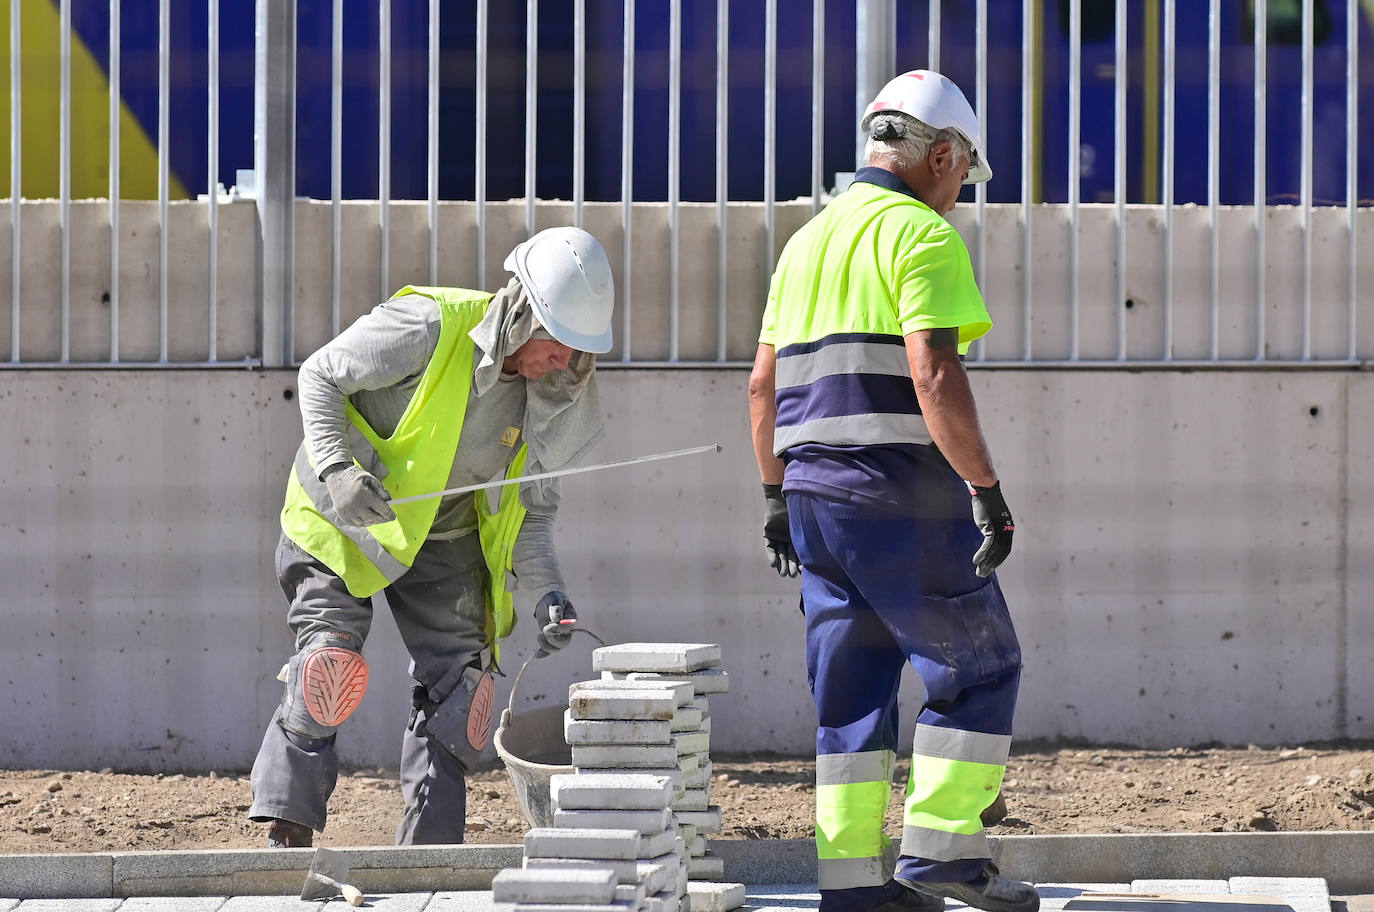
pixel 371 548
pixel 844 769
pixel 842 358
pixel 937 845
pixel 956 744
pixel 848 873
pixel 854 430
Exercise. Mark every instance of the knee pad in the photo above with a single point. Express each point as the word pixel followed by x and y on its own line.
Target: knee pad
pixel 461 723
pixel 324 685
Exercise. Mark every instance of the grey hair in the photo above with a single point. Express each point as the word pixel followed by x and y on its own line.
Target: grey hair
pixel 912 142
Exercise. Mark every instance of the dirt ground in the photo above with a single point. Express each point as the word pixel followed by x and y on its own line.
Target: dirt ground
pixel 1049 789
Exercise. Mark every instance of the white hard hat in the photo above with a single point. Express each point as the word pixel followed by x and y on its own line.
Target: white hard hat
pixel 937 102
pixel 568 278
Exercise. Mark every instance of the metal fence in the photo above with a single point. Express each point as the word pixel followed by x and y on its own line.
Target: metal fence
pixel 882 38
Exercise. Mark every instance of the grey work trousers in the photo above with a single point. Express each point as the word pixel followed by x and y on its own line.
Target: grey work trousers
pixel 440 610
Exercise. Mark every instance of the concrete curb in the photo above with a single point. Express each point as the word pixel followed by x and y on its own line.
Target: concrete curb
pixel 1344 859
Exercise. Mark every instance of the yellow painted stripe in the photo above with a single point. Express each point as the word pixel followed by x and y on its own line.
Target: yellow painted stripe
pixel 41 109
pixel 949 795
pixel 849 819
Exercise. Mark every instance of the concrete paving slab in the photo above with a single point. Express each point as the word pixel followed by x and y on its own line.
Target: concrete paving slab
pixel 673 775
pixel 1054 895
pixel 681 688
pixel 669 658
pixel 621 703
pixel 709 896
pixel 264 904
pixel 466 901
pixel 44 876
pixel 1156 885
pixel 1358 902
pixel 576 907
pixel 566 842
pixel 623 756
pixel 692 742
pixel 614 791
pixel 395 902
pixel 705 681
pixel 173 904
pixel 68 905
pixel 687 718
pixel 782 898
pixel 6 905
pixel 622 872
pixel 692 799
pixel 1302 894
pixel 659 843
pixel 646 822
pixel 615 731
pixel 566 883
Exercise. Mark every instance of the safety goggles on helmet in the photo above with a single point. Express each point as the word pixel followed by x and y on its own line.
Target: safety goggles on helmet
pixel 937 102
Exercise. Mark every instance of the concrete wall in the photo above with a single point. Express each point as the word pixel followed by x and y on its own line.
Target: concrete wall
pixel 1192 561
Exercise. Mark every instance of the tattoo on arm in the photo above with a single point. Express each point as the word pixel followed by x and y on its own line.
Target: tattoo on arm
pixel 946 338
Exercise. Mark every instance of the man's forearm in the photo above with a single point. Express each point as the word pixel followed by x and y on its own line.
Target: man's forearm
pixel 763 414
pixel 947 404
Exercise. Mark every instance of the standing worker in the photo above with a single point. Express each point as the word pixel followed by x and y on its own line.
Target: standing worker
pixel 436 388
pixel 869 447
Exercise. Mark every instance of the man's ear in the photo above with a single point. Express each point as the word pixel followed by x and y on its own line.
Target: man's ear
pixel 940 157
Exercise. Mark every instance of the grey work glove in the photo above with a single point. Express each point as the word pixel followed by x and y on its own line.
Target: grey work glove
pixel 556 618
pixel 994 519
pixel 777 533
pixel 359 498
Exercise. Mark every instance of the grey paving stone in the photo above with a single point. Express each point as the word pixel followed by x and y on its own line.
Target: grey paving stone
pixel 561 869
pixel 1179 886
pixel 7 904
pixel 558 880
pixel 1304 894
pixel 624 756
pixel 692 742
pixel 465 901
pixel 1053 896
pixel 783 898
pixel 705 681
pixel 681 688
pixel 706 867
pixel 646 822
pixel 617 791
pixel 577 907
pixel 673 658
pixel 710 896
pixel 42 876
pixel 565 842
pixel 382 902
pixel 268 904
pixel 68 905
pixel 173 903
pixel 615 731
pixel 622 703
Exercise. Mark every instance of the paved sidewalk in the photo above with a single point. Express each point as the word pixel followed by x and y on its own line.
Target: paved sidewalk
pixel 1300 895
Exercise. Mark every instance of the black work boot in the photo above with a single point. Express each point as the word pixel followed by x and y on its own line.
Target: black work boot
pixel 899 898
pixel 283 834
pixel 989 891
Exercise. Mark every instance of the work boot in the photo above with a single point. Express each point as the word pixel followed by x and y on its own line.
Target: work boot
pixel 283 834
pixel 989 891
pixel 996 812
pixel 898 898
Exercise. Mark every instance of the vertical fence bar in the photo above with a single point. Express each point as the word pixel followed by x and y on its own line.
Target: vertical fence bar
pixel 164 165
pixel 1214 173
pixel 433 144
pixel 1261 158
pixel 1119 175
pixel 531 107
pixel 16 170
pixel 212 179
pixel 980 190
pixel 674 164
pixel 579 108
pixel 64 169
pixel 817 102
pixel 1028 139
pixel 1075 133
pixel 875 27
pixel 627 169
pixel 770 127
pixel 274 168
pixel 722 160
pixel 384 147
pixel 336 170
pixel 1352 166
pixel 1306 180
pixel 933 37
pixel 479 179
pixel 115 105
pixel 1170 56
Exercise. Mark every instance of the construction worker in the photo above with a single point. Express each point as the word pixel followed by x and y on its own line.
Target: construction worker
pixel 869 447
pixel 436 388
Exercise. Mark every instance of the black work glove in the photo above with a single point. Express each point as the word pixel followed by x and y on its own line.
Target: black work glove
pixel 994 519
pixel 777 534
pixel 556 618
pixel 359 498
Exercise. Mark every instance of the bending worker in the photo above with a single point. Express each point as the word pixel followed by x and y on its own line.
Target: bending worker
pixel 436 388
pixel 869 447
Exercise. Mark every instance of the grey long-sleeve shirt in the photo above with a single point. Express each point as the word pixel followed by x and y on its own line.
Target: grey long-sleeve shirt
pixel 377 364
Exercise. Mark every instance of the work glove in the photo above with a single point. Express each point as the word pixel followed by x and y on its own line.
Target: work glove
pixel 359 498
pixel 994 519
pixel 556 618
pixel 777 534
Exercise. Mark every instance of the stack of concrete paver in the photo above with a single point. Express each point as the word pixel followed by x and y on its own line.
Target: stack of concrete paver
pixel 691 673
